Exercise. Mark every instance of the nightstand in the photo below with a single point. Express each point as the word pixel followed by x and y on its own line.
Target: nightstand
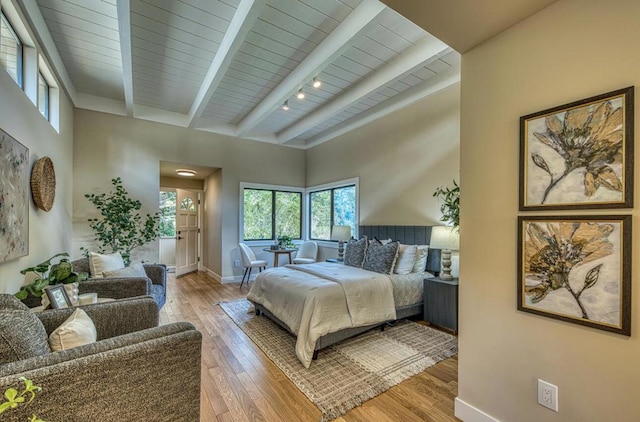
pixel 441 302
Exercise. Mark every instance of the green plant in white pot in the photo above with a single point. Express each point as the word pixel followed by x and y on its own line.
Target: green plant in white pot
pixel 121 227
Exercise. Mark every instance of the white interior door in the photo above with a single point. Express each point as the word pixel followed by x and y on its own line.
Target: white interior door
pixel 187 232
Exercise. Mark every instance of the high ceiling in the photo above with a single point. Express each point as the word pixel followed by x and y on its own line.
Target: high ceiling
pixel 228 66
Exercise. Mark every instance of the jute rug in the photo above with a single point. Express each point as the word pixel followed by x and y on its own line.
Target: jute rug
pixel 351 372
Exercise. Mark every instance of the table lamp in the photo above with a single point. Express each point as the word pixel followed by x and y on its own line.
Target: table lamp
pixel 341 234
pixel 447 239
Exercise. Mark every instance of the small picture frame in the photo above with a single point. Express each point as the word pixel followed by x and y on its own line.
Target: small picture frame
pixel 578 155
pixel 58 296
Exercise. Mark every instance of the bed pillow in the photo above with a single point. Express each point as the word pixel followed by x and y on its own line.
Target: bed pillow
pixel 407 255
pixel 380 258
pixel 420 265
pixel 355 252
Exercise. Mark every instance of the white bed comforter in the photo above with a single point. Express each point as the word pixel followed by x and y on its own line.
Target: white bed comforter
pixel 321 298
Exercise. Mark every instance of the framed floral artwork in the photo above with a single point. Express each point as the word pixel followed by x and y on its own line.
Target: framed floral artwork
pixel 576 269
pixel 578 155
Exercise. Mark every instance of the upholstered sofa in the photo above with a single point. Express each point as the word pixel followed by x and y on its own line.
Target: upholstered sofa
pixel 135 371
pixel 154 285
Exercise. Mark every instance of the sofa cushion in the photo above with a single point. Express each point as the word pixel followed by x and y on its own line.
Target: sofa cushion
pixel 158 293
pixel 22 336
pixel 77 330
pixel 8 302
pixel 99 263
pixel 134 270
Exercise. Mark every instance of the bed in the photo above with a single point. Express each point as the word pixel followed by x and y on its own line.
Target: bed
pixel 324 303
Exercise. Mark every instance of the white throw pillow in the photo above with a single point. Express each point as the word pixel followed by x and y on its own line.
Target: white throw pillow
pixel 99 263
pixel 406 259
pixel 421 259
pixel 134 270
pixel 77 330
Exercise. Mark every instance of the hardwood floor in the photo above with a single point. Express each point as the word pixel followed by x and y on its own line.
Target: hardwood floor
pixel 240 383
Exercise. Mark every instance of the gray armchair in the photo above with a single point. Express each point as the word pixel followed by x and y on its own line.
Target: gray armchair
pixel 135 371
pixel 154 285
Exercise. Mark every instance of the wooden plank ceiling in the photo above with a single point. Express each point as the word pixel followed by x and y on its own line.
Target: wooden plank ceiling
pixel 228 66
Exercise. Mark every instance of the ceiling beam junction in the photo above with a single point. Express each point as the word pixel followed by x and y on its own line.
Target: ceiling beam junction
pixel 335 44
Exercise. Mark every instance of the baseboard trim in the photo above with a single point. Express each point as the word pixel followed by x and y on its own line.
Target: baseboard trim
pixel 236 279
pixel 212 274
pixel 468 413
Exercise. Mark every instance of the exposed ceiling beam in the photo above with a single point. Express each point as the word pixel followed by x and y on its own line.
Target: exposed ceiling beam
pixel 39 26
pixel 240 25
pixel 415 56
pixel 124 31
pixel 326 52
pixel 424 89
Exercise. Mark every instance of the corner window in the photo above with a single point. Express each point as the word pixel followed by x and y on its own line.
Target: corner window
pixel 43 96
pixel 10 50
pixel 269 213
pixel 332 206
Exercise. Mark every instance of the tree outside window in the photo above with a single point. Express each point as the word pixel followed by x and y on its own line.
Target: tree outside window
pixel 168 214
pixel 331 207
pixel 271 213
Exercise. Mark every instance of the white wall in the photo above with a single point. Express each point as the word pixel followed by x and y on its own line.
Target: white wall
pixel 49 232
pixel 108 146
pixel 570 51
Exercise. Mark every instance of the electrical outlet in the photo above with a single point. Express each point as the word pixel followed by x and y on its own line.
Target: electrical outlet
pixel 236 263
pixel 548 395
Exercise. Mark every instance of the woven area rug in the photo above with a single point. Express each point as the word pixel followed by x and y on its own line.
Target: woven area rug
pixel 353 371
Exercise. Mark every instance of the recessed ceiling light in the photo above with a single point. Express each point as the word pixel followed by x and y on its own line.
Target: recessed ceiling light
pixel 300 95
pixel 185 172
pixel 316 83
pixel 285 106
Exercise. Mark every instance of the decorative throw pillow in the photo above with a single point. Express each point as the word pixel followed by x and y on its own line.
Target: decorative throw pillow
pixel 354 254
pixel 134 270
pixel 406 259
pixel 22 336
pixel 99 263
pixel 380 258
pixel 421 259
pixel 77 330
pixel 383 241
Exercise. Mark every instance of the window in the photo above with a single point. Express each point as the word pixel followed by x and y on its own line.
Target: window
pixel 167 214
pixel 269 213
pixel 332 206
pixel 43 96
pixel 10 50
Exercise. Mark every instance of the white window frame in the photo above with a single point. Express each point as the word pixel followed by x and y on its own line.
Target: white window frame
pixel 20 55
pixel 337 184
pixel 282 188
pixel 47 95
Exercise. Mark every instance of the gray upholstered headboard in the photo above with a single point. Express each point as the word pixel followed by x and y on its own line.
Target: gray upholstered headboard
pixel 408 235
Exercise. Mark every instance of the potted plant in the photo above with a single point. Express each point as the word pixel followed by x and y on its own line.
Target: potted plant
pixel 46 274
pixel 450 208
pixel 120 227
pixel 285 241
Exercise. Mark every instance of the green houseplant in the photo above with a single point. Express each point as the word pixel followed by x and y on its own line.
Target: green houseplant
pixel 450 208
pixel 121 227
pixel 47 274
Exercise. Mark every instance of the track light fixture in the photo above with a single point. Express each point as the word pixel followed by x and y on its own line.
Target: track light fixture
pixel 300 95
pixel 316 83
pixel 285 106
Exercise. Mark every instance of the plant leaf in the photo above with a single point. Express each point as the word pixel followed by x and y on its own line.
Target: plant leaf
pixel 592 277
pixel 540 162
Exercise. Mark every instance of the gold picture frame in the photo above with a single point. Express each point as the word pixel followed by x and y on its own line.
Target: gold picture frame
pixel 578 155
pixel 576 269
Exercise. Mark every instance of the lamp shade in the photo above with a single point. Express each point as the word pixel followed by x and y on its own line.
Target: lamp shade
pixel 341 233
pixel 444 237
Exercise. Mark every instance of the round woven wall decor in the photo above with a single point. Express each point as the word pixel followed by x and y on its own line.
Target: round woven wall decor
pixel 43 183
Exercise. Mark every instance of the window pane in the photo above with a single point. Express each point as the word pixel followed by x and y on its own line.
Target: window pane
pixel 10 51
pixel 288 212
pixel 43 96
pixel 344 207
pixel 258 212
pixel 167 214
pixel 320 224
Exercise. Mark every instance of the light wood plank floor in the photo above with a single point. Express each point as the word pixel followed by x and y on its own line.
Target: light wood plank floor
pixel 240 383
